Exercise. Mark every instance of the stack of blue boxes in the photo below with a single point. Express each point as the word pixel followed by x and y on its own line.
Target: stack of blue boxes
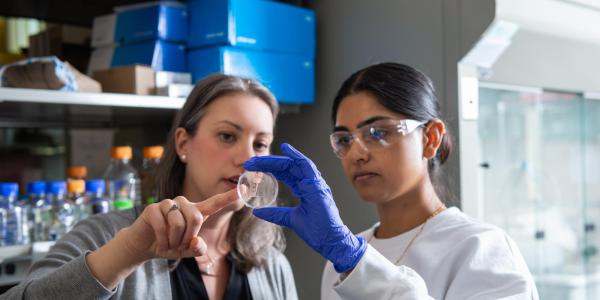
pixel 268 41
pixel 151 34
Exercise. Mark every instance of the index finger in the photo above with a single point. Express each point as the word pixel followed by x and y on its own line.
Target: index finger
pixel 216 202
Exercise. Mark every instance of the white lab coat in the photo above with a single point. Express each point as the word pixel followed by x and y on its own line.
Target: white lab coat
pixel 454 258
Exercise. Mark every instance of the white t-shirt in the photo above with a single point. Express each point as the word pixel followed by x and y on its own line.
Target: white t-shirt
pixel 454 257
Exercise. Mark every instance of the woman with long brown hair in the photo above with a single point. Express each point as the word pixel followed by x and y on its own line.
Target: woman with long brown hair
pixel 200 242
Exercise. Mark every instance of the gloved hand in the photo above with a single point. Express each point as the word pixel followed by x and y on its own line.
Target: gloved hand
pixel 316 219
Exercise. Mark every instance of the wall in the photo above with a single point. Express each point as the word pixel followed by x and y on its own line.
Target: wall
pixel 352 34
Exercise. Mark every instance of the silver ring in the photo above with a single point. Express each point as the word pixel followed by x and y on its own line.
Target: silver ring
pixel 173 208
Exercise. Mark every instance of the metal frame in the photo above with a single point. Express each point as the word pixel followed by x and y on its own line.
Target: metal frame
pixel 470 152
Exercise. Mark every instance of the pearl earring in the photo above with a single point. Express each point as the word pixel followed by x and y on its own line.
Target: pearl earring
pixel 183 157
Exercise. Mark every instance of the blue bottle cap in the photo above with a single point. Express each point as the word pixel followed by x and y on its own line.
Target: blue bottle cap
pixel 95 186
pixel 56 187
pixel 9 189
pixel 36 188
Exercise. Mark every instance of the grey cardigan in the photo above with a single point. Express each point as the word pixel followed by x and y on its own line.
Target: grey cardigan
pixel 64 274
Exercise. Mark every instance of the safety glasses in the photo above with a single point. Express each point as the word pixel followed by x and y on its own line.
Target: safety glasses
pixel 377 135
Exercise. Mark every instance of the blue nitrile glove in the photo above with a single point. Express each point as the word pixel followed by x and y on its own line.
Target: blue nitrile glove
pixel 316 219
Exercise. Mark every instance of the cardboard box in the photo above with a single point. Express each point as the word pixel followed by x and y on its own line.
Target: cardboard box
pixel 253 24
pixel 55 35
pixel 7 58
pixel 68 43
pixel 85 83
pixel 134 79
pixel 289 77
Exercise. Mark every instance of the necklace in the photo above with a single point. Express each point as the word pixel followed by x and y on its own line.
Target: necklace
pixel 208 268
pixel 222 248
pixel 435 213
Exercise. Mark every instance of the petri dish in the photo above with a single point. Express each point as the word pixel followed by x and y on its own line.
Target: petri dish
pixel 257 189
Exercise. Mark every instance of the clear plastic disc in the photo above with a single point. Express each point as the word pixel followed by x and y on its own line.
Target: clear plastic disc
pixel 257 189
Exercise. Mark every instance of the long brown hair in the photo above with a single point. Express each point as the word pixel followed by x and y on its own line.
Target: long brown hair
pixel 249 237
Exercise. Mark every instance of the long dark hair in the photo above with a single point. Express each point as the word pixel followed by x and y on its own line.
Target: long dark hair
pixel 249 237
pixel 404 90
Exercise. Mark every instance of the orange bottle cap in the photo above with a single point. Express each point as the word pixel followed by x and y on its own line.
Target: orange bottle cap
pixel 122 152
pixel 153 152
pixel 76 186
pixel 77 172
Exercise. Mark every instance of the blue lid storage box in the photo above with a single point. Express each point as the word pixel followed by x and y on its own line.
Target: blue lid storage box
pixel 254 24
pixel 289 77
pixel 160 55
pixel 151 21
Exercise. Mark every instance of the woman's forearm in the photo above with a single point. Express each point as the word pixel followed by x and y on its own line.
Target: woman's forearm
pixel 114 261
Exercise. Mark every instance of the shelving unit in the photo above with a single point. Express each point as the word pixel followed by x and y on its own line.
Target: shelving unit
pixel 81 98
pixel 10 252
pixel 37 108
pixel 147 115
pixel 16 260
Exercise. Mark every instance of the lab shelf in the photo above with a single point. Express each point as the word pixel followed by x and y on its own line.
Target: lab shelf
pixel 18 252
pixel 16 260
pixel 11 252
pixel 82 98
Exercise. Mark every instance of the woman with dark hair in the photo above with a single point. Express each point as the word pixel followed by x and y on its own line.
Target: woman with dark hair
pixel 200 242
pixel 391 143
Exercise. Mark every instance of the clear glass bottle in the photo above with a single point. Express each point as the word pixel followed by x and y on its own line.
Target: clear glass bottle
pixel 12 215
pixel 36 191
pixel 98 201
pixel 42 211
pixel 76 190
pixel 122 180
pixel 63 216
pixel 152 157
pixel 3 213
